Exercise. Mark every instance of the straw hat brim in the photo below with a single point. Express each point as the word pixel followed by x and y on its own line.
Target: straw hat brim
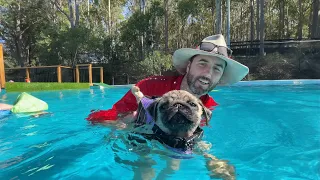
pixel 233 72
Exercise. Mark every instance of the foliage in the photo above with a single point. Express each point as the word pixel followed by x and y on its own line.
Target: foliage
pixel 294 65
pixel 276 66
pixel 131 38
pixel 21 24
pixel 154 64
pixel 65 46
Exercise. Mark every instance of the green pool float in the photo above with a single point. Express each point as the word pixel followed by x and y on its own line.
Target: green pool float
pixel 27 103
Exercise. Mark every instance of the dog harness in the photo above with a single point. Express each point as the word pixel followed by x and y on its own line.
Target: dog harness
pixel 178 144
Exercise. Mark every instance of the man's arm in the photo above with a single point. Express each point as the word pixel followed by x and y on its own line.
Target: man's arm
pixel 123 109
pixel 5 106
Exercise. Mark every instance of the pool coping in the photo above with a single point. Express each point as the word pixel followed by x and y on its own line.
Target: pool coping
pixel 262 83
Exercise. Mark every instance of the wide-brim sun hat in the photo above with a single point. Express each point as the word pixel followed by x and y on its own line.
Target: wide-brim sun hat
pixel 233 72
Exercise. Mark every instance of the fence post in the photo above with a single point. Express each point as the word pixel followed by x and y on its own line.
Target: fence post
pixel 27 73
pixel 112 80
pixel 2 71
pixel 77 74
pixel 90 74
pixel 59 73
pixel 101 74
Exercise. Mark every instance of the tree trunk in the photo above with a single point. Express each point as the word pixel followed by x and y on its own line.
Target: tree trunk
pixel 18 37
pixel 223 17
pixel 88 8
pixel 310 24
pixel 251 20
pixel 54 16
pixel 143 6
pixel 258 20
pixel 142 9
pixel 287 22
pixel 166 28
pixel 228 23
pixel 218 10
pixel 77 15
pixel 300 23
pixel 315 28
pixel 212 11
pixel 71 14
pixel 109 17
pixel 19 56
pixel 281 20
pixel 261 27
pixel 241 35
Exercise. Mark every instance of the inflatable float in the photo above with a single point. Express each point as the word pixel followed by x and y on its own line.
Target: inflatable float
pixel 25 104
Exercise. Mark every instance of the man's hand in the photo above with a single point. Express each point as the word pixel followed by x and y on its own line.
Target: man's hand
pixel 124 122
pixel 219 168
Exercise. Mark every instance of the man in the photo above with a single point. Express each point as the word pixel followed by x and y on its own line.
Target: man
pixel 202 69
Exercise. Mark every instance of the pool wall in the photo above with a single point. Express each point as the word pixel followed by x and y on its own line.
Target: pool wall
pixel 278 82
pixel 264 82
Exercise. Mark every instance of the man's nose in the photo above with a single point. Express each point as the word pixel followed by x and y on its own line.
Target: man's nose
pixel 208 72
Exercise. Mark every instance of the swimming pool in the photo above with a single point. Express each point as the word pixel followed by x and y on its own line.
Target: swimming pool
pixel 266 132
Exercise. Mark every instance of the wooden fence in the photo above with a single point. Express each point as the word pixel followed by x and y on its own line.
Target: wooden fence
pixel 58 68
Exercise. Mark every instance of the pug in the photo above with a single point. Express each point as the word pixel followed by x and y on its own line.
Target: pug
pixel 177 115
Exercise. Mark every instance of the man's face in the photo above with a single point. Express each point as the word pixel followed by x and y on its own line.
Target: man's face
pixel 204 73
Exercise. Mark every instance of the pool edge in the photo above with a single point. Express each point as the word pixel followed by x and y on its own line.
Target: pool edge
pixel 261 83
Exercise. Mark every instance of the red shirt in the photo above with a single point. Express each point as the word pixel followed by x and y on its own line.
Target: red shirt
pixel 152 86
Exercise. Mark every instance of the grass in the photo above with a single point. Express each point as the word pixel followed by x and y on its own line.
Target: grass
pixel 35 86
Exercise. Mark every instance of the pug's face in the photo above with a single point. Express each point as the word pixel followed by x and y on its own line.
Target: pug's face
pixel 178 113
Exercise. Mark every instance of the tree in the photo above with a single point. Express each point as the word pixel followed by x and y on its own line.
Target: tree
pixel 73 15
pixel 22 23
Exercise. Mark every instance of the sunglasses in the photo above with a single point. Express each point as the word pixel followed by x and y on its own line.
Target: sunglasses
pixel 213 48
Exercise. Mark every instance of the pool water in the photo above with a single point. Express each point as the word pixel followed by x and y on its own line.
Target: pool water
pixel 266 132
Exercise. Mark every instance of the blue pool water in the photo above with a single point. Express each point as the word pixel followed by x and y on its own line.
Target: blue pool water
pixel 266 132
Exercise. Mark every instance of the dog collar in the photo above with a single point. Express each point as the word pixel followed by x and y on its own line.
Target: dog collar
pixel 177 142
pixel 182 144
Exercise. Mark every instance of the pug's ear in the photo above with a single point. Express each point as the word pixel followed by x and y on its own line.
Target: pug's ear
pixel 206 113
pixel 152 109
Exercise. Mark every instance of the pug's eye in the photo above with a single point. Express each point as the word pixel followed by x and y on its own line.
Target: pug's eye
pixel 163 106
pixel 192 104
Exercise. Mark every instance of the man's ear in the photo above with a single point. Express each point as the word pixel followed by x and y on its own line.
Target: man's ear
pixel 188 67
pixel 152 109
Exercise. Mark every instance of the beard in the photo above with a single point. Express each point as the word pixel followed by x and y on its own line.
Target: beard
pixel 191 80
